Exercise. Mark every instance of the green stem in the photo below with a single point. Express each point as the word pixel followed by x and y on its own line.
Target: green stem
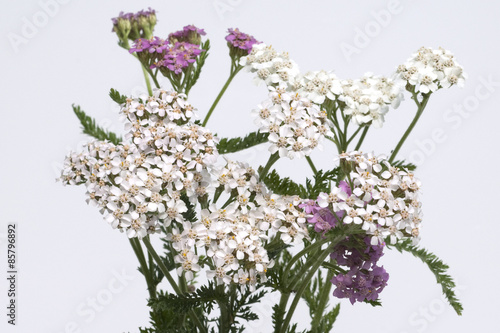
pixel 144 267
pixel 353 136
pixel 323 301
pixel 176 288
pixel 161 265
pixel 295 258
pixel 146 78
pixel 311 164
pixel 420 110
pixel 307 279
pixel 272 159
pixel 153 76
pixel 362 138
pixel 234 70
pixel 224 320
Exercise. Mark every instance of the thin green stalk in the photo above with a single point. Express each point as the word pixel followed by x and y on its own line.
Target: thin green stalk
pixel 170 279
pixel 224 320
pixel 323 301
pixel 161 265
pixel 144 267
pixel 353 136
pixel 295 258
pixel 272 159
pixel 420 110
pixel 234 70
pixel 303 285
pixel 283 302
pixel 153 76
pixel 146 78
pixel 145 71
pixel 362 138
pixel 311 164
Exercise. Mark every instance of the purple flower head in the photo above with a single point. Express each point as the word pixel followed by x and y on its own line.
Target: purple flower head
pixel 134 26
pixel 122 25
pixel 178 57
pixel 189 33
pixel 149 51
pixel 322 218
pixel 240 44
pixel 367 279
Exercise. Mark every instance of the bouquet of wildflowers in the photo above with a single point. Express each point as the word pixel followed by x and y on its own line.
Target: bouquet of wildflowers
pixel 232 233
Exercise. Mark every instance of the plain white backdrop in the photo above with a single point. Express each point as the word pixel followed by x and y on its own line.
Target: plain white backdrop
pixel 78 275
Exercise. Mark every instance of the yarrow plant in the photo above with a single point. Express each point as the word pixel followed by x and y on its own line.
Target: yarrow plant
pixel 232 232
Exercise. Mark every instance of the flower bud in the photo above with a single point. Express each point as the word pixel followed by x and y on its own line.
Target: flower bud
pixel 189 33
pixel 122 26
pixel 239 43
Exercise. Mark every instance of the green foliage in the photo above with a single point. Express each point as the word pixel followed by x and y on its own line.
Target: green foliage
pixel 275 247
pixel 242 304
pixel 169 321
pixel 285 186
pixel 275 276
pixel 327 321
pixel 117 97
pixel 437 266
pixel 373 303
pixel 205 297
pixel 200 62
pixel 190 214
pixel 90 127
pixel 404 165
pixel 313 298
pixel 234 145
pixel 277 317
pixel 322 181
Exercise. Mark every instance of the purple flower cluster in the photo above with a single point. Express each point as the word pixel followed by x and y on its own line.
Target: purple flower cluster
pixel 143 14
pixel 178 57
pixel 237 40
pixel 153 45
pixel 323 218
pixel 135 25
pixel 365 279
pixel 169 57
pixel 189 34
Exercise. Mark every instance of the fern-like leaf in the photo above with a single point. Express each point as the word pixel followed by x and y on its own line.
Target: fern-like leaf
pixel 438 267
pixel 117 97
pixel 404 165
pixel 205 296
pixel 234 145
pixel 283 186
pixel 90 127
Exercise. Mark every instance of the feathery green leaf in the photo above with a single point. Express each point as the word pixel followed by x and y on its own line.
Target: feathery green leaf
pixel 234 145
pixel 117 97
pixel 90 127
pixel 437 266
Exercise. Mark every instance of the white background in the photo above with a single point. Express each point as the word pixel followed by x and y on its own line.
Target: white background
pixel 68 254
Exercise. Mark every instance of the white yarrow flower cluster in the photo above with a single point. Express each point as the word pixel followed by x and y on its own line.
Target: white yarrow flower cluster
pixel 295 125
pixel 271 67
pixel 233 236
pixel 138 186
pixel 429 70
pixel 318 86
pixel 368 99
pixel 384 199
